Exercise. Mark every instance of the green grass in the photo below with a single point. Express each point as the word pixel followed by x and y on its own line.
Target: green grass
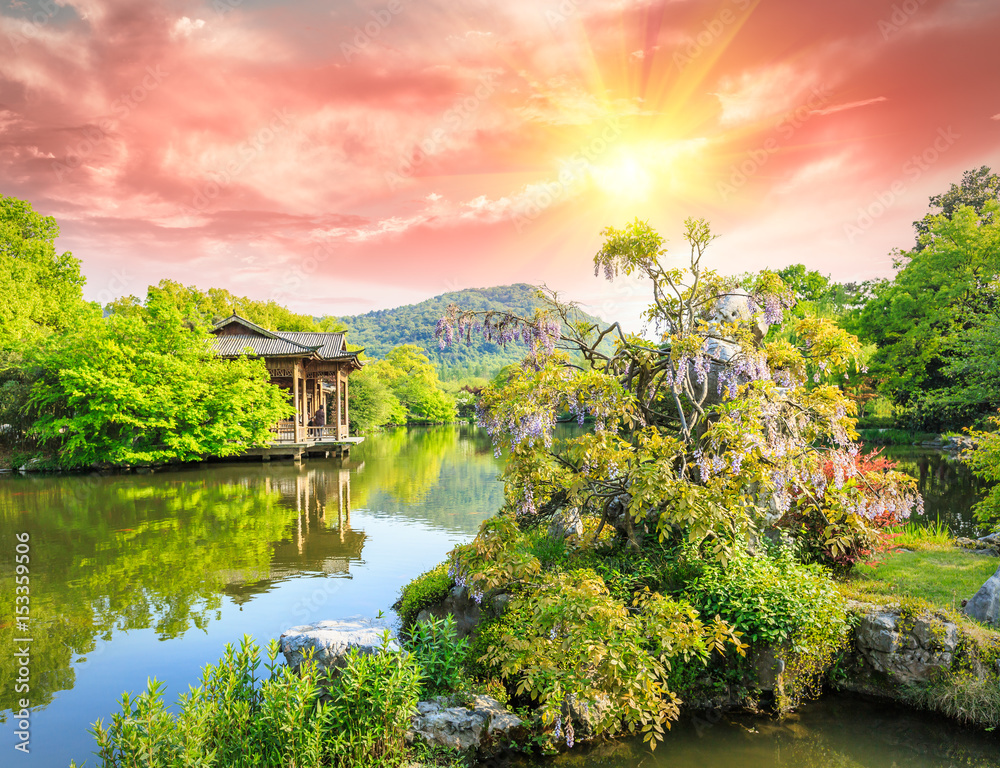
pixel 917 536
pixel 941 575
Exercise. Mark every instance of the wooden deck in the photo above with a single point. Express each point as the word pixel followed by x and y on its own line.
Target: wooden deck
pixel 316 446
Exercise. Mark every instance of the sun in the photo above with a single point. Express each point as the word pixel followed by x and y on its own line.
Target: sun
pixel 625 176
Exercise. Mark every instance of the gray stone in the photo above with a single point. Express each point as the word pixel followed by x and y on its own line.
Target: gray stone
pixel 586 716
pixel 331 641
pixel 565 523
pixel 985 604
pixel 485 726
pixel 905 651
pixel 458 603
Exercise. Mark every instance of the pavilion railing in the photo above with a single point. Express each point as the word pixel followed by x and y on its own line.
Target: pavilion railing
pixel 284 431
pixel 328 432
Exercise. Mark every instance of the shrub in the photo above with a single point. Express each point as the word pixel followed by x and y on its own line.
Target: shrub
pixel 235 720
pixel 427 589
pixel 440 654
pixel 570 646
pixel 777 601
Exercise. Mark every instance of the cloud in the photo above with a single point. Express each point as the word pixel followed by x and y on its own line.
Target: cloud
pixel 851 105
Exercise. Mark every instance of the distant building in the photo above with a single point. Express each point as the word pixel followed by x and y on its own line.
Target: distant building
pixel 311 367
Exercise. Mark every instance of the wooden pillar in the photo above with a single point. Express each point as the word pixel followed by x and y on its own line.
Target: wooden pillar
pixel 338 406
pixel 347 400
pixel 295 396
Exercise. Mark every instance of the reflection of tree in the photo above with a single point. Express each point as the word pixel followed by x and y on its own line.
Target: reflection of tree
pixel 445 476
pixel 161 550
pixel 124 553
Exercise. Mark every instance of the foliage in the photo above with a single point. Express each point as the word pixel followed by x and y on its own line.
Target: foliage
pixel 934 323
pixel 424 591
pixel 978 187
pixel 379 331
pixel 773 600
pixel 145 387
pixel 848 519
pixel 984 461
pixel 410 376
pixel 440 654
pixel 41 289
pixel 41 297
pixel 574 649
pixel 712 433
pixel 372 403
pixel 236 720
pixel 217 303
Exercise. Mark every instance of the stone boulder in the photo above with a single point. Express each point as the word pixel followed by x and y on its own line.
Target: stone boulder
pixel 331 641
pixel 484 727
pixel 904 650
pixel 458 603
pixel 565 523
pixel 985 604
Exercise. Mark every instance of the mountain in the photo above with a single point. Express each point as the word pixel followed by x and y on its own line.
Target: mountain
pixel 380 331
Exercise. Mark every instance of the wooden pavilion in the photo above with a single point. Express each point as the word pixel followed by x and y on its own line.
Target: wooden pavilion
pixel 312 368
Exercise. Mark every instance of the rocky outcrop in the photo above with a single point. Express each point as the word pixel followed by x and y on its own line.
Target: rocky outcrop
pixel 330 641
pixel 482 728
pixel 985 604
pixel 565 523
pixel 893 650
pixel 987 545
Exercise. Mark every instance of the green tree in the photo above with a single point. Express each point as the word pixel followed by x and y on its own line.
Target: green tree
pixel 978 187
pixel 929 322
pixel 372 403
pixel 413 380
pixel 145 387
pixel 41 288
pixel 41 296
pixel 217 303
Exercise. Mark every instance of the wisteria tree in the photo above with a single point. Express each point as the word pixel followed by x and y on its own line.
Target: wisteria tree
pixel 719 430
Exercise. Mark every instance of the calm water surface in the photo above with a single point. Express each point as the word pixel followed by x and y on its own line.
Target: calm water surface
pixel 136 576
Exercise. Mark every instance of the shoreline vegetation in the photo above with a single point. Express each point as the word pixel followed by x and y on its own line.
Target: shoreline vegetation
pixel 719 538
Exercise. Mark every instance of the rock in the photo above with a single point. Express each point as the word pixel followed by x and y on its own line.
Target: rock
pixel 458 603
pixel 586 716
pixel 484 727
pixel 332 640
pixel 31 465
pixel 985 604
pixel 565 523
pixel 769 664
pixel 983 546
pixel 905 651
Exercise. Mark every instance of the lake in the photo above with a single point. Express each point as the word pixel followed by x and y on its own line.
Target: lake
pixel 150 575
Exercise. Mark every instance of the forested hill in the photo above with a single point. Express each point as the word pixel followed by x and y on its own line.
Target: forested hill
pixel 380 331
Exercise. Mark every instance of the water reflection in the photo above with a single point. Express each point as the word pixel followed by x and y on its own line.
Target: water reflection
pixel 165 551
pixel 831 733
pixel 948 487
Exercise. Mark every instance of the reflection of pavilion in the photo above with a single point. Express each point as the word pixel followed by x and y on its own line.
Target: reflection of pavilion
pixel 321 540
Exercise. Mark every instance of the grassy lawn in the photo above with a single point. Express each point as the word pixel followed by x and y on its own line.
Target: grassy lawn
pixel 938 573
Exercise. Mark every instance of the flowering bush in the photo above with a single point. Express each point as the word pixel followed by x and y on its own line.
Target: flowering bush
pixel 711 432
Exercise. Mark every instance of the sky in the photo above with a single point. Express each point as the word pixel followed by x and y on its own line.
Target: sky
pixel 341 156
